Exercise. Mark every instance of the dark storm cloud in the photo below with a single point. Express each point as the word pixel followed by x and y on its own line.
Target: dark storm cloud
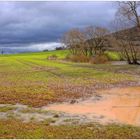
pixel 38 22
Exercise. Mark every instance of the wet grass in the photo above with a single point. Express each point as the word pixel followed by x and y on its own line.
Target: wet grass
pixel 32 79
pixel 6 108
pixel 17 129
pixel 49 121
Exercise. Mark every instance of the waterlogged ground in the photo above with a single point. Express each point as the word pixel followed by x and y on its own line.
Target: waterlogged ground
pixel 57 98
pixel 27 114
pixel 108 106
pixel 120 105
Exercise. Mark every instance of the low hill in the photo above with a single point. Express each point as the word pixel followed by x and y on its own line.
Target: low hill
pixel 132 34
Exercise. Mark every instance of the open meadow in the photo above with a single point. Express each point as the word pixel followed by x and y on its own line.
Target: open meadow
pixel 30 84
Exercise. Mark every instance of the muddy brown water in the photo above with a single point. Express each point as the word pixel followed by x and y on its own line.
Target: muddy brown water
pixel 118 104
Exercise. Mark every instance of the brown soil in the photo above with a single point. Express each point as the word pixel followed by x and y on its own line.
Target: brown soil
pixel 118 104
pixel 60 93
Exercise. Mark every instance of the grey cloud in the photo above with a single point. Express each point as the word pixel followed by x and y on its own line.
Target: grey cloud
pixel 38 22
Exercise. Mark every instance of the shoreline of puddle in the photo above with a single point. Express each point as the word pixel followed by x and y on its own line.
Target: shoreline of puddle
pixel 116 105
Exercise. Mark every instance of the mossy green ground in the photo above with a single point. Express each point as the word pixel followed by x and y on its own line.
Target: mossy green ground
pixel 32 79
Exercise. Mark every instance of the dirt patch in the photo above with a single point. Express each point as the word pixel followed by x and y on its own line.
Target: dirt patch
pixel 119 104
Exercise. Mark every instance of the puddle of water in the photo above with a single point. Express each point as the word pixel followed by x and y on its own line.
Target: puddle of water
pixel 27 114
pixel 119 63
pixel 118 104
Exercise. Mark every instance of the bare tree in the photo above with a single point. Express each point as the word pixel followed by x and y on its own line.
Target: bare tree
pixel 89 33
pixel 100 39
pixel 89 41
pixel 124 42
pixel 74 40
pixel 96 38
pixel 126 17
pixel 129 10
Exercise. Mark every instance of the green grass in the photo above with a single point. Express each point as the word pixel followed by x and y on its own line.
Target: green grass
pixel 113 56
pixel 6 108
pixel 17 129
pixel 30 78
pixel 59 53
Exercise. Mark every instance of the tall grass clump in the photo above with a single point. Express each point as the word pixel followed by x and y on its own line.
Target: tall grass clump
pixel 99 59
pixel 78 58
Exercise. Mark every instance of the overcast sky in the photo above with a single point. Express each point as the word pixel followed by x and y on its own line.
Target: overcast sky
pixel 31 23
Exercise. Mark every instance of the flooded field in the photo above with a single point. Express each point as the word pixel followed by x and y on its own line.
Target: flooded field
pixel 41 98
pixel 116 105
pixel 120 105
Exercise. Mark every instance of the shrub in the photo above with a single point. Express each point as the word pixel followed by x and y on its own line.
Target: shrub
pixel 52 57
pixel 113 56
pixel 45 50
pixel 59 48
pixel 78 58
pixel 68 57
pixel 100 59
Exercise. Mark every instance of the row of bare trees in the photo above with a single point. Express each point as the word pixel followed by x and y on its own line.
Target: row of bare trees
pixel 89 41
pixel 94 40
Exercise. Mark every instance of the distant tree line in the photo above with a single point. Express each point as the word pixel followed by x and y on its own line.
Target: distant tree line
pixel 59 48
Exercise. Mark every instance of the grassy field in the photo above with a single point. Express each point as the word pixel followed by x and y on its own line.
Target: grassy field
pixel 36 130
pixel 32 79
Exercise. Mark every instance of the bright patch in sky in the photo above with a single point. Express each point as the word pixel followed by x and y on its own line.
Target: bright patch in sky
pixel 31 47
